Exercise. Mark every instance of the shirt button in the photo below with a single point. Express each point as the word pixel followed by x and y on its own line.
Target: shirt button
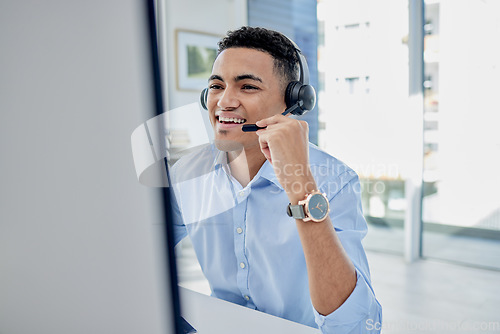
pixel 241 193
pixel 239 230
pixel 247 298
pixel 242 265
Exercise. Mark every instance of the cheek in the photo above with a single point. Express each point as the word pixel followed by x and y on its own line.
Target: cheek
pixel 270 107
pixel 211 105
pixel 212 118
pixel 212 99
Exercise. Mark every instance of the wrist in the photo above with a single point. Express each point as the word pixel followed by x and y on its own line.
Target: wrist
pixel 299 188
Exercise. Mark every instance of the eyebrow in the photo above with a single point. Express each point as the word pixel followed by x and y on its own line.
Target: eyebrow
pixel 247 76
pixel 215 77
pixel 237 78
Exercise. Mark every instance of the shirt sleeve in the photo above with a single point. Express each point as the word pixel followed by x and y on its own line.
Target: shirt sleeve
pixel 361 312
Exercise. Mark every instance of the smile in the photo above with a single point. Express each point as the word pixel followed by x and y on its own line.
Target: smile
pixel 230 120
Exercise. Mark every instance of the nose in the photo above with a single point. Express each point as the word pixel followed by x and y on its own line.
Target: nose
pixel 228 99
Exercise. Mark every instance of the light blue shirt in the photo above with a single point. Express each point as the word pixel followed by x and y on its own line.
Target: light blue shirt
pixel 249 248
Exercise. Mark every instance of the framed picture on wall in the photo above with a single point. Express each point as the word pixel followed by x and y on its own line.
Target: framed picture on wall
pixel 196 53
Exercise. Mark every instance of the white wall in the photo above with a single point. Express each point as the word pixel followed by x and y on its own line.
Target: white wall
pixel 213 17
pixel 188 123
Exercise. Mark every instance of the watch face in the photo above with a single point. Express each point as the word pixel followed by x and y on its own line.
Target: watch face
pixel 318 207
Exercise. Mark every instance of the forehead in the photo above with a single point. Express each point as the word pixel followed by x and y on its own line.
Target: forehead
pixel 237 61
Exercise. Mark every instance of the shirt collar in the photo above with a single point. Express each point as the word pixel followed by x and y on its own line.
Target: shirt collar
pixel 220 159
pixel 267 172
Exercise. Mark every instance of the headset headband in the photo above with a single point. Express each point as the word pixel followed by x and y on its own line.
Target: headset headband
pixel 304 69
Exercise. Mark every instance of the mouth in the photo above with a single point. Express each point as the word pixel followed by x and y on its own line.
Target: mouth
pixel 230 120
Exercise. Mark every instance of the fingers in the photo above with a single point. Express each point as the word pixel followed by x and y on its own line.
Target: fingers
pixel 279 126
pixel 264 148
pixel 271 120
pixel 299 125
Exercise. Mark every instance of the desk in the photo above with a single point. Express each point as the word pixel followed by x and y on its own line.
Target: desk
pixel 210 315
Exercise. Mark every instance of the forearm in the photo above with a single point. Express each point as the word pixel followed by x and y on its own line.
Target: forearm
pixel 332 276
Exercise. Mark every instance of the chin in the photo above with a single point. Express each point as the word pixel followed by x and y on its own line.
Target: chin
pixel 227 145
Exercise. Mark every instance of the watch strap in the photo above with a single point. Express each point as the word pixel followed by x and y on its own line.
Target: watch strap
pixel 296 211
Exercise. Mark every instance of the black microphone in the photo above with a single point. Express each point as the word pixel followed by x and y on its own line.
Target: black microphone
pixel 251 127
pixel 254 127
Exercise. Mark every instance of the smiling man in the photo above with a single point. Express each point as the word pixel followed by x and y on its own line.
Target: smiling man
pixel 308 265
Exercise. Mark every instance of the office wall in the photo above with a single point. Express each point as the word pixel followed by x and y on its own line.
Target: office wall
pixel 212 17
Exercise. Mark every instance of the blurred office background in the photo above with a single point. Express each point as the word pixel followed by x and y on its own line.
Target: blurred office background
pixel 371 123
pixel 407 96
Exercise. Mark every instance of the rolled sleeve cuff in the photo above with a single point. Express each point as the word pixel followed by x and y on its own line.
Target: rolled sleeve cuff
pixel 360 313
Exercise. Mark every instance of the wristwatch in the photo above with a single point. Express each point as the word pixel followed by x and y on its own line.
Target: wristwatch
pixel 314 207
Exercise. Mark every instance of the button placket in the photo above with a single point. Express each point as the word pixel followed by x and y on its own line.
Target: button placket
pixel 239 215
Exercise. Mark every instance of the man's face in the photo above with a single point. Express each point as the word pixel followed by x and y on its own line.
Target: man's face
pixel 243 88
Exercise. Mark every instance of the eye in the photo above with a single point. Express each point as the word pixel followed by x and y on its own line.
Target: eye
pixel 249 87
pixel 215 86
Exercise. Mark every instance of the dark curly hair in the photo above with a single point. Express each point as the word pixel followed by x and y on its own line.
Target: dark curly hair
pixel 272 42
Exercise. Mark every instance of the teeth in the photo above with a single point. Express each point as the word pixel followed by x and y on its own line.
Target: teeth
pixel 232 120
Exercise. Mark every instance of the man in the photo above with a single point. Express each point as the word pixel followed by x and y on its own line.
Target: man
pixel 233 197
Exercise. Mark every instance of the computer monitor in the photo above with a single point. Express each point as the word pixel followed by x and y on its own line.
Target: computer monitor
pixel 83 245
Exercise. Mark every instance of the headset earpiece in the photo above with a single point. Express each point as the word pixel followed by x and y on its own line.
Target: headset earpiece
pixel 203 98
pixel 303 95
pixel 292 93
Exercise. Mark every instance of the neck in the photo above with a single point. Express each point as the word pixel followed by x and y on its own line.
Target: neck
pixel 245 164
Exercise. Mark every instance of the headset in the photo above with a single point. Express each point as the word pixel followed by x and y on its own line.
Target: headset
pixel 300 96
